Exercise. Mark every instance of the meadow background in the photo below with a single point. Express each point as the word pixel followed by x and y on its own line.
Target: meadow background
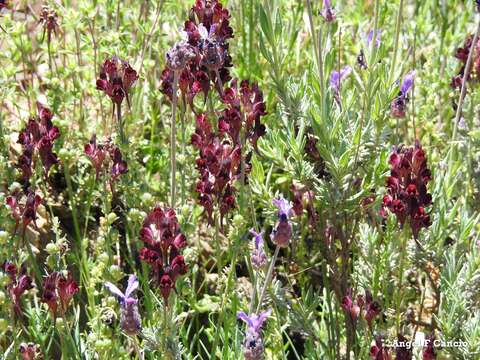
pixel 350 279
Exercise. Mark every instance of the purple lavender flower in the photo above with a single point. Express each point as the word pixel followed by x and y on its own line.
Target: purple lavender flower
pixel 253 344
pixel 407 82
pixel 378 39
pixel 130 318
pixel 328 12
pixel 337 77
pixel 284 208
pixel 283 231
pixel 399 104
pixel 259 258
pixel 179 55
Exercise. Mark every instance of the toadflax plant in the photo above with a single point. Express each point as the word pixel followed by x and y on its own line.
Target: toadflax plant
pixel 107 160
pixel 37 139
pixel 19 283
pixel 407 194
pixel 163 242
pixel 116 79
pixel 58 291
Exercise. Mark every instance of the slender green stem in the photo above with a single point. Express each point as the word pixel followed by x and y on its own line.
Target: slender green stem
pixel 173 141
pixel 89 203
pixel 367 98
pixel 33 259
pixel 80 248
pixel 121 130
pixel 184 149
pixel 400 280
pixel 397 38
pixel 268 278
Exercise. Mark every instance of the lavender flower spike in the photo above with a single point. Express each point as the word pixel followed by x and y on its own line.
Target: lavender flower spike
pixel 253 344
pixel 283 231
pixel 338 76
pixel 284 208
pixel 377 40
pixel 254 322
pixel 328 12
pixel 258 258
pixel 407 82
pixel 399 104
pixel 129 318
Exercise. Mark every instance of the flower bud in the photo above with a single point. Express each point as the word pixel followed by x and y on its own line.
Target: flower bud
pixel 59 323
pixel 238 220
pixel 51 248
pixel 103 258
pixel 3 325
pixel 116 272
pixel 3 237
pixel 147 198
pixel 112 217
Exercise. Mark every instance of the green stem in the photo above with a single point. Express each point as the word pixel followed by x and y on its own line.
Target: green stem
pixel 367 98
pixel 173 142
pixel 400 280
pixel 89 203
pixel 397 38
pixel 120 123
pixel 184 149
pixel 268 278
pixel 82 254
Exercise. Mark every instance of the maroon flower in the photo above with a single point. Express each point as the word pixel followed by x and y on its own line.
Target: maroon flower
pixel 108 157
pixel 116 79
pixel 119 165
pixel 38 136
pixel 163 242
pixel 303 199
pixel 361 305
pixel 48 18
pixel 429 352
pixel 20 282
pixel 218 165
pixel 403 352
pixel 378 352
pixel 245 107
pixel 58 291
pixel 96 153
pixel 350 306
pixel 462 55
pixel 407 195
pixel 3 4
pixel 24 208
pixel 202 57
pixel 372 308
